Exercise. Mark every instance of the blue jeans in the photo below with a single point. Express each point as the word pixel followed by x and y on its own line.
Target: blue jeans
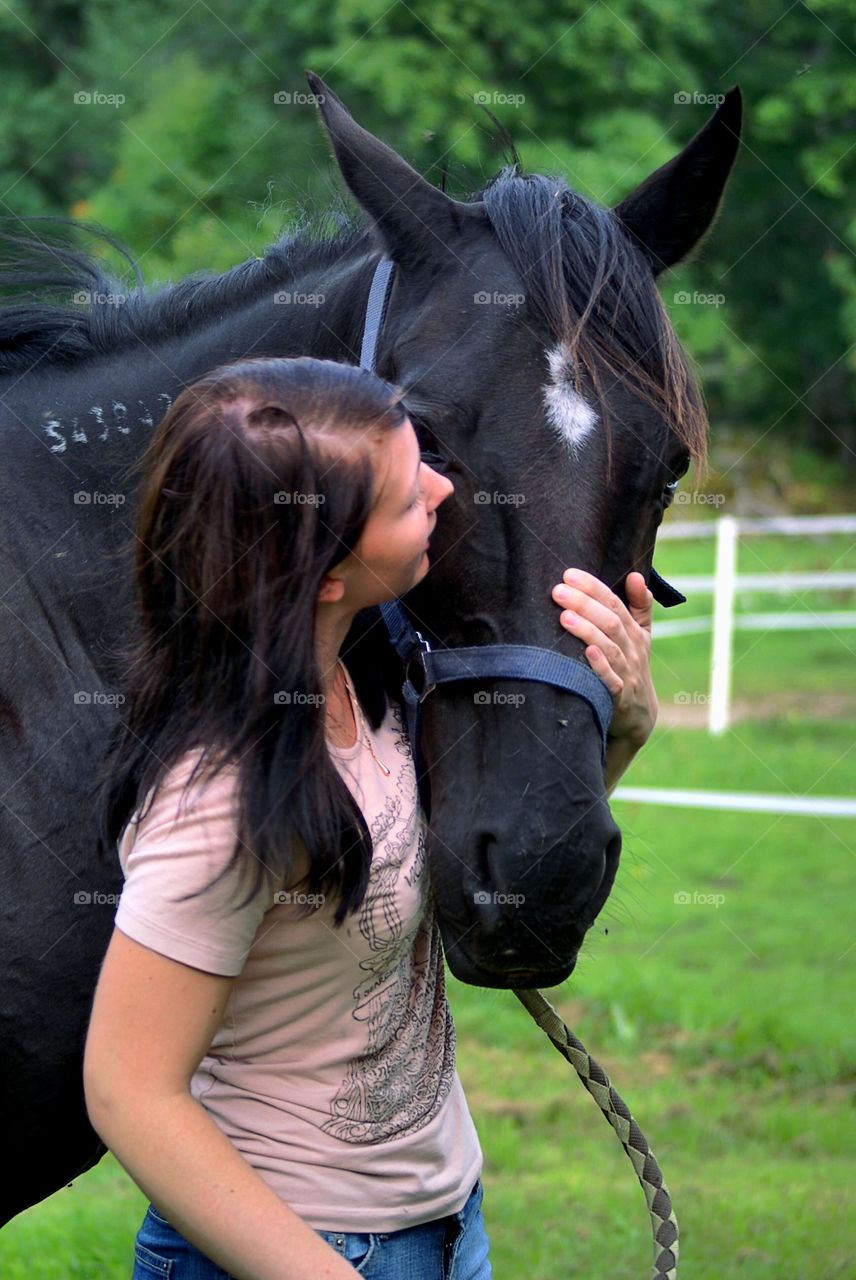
pixel 451 1248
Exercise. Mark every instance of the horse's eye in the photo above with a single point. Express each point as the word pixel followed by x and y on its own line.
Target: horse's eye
pixel 669 493
pixel 671 485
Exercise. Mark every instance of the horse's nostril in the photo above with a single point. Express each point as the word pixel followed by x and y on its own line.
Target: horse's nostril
pixel 521 975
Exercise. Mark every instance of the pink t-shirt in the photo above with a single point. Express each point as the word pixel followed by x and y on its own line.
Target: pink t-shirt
pixel 333 1070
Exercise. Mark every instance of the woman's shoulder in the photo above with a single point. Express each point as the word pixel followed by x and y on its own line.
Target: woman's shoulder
pixel 197 780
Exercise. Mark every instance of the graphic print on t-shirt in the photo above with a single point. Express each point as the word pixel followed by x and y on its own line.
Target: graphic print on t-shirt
pixel 405 1075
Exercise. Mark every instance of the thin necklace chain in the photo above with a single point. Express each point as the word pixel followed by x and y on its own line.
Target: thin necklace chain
pixel 360 721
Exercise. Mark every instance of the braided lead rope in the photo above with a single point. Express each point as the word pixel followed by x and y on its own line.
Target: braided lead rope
pixel 663 1221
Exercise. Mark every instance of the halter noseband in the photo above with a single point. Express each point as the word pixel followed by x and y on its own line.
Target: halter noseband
pixel 425 667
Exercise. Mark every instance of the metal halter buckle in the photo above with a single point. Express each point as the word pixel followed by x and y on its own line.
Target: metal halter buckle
pixel 424 683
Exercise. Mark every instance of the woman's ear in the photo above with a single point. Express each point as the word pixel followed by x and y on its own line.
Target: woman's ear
pixel 331 590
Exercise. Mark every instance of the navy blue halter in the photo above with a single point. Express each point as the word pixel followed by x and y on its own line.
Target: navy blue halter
pixel 425 667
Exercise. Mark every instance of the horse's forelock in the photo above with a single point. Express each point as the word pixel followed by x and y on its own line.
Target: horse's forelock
pixel 595 295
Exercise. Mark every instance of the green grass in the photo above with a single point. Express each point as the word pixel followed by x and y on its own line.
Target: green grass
pixel 728 1029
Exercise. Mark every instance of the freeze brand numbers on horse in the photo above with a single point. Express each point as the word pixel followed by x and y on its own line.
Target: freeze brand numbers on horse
pixel 117 416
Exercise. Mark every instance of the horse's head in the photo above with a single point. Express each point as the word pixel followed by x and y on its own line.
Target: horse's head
pixel 539 364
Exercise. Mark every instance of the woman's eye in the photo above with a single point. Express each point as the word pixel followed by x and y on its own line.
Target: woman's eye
pixel 427 450
pixel 432 458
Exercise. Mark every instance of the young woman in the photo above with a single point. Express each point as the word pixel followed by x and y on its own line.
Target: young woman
pixel 276 1069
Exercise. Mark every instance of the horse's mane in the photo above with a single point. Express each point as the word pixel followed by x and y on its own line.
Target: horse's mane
pixel 581 272
pixel 43 321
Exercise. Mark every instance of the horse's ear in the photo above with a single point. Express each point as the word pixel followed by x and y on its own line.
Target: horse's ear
pixel 670 212
pixel 417 222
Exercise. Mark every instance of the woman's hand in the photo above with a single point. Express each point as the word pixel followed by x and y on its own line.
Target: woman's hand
pixel 618 646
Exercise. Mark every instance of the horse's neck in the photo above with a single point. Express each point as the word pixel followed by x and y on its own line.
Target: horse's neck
pixel 95 421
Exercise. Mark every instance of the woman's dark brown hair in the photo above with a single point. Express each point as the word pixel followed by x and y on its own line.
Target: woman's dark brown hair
pixel 255 484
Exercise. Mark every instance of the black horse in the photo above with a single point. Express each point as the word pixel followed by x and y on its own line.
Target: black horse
pixel 537 360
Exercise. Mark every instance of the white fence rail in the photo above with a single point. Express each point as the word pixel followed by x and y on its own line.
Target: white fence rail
pixel 726 582
pixel 741 801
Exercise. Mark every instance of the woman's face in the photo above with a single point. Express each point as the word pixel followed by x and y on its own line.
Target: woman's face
pixel 392 554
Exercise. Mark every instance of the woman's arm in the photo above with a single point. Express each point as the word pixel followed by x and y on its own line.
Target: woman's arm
pixel 620 752
pixel 618 649
pixel 153 1020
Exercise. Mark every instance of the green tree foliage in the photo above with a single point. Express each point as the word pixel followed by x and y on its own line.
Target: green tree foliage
pixel 216 146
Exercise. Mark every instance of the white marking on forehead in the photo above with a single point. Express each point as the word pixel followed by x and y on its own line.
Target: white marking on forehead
pixel 567 412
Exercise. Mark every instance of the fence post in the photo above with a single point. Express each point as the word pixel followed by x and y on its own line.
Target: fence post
pixel 723 624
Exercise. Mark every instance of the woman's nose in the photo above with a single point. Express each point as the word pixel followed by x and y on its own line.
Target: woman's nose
pixel 443 487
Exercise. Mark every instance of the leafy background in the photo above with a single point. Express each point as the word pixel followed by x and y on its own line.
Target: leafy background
pixel 200 167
